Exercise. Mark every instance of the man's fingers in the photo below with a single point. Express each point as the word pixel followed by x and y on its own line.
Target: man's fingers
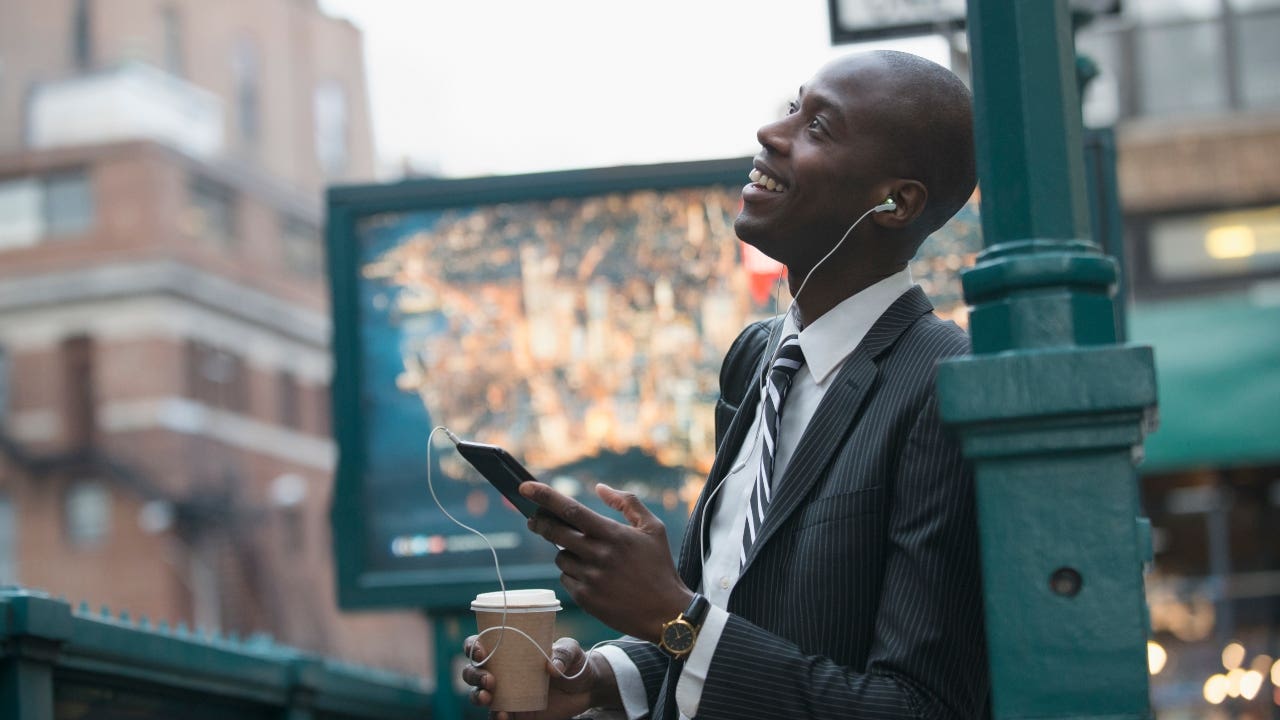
pixel 570 511
pixel 475 677
pixel 566 656
pixel 570 564
pixel 474 649
pixel 557 532
pixel 626 503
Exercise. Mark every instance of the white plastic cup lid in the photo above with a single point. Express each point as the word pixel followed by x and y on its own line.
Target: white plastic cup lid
pixel 517 600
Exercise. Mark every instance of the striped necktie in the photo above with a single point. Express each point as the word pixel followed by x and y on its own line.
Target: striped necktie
pixel 782 371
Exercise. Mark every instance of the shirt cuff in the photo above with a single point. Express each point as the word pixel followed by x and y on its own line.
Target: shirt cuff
pixel 694 674
pixel 635 703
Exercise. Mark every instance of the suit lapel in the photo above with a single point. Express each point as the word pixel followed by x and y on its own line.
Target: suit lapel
pixel 690 565
pixel 836 414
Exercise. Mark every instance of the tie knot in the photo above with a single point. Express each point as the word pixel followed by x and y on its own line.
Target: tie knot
pixel 789 356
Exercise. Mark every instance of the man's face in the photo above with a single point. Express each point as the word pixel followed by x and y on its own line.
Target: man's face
pixel 824 163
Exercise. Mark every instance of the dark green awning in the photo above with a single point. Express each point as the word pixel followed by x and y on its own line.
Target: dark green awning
pixel 1218 375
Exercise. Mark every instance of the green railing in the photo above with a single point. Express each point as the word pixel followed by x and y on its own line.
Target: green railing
pixel 60 663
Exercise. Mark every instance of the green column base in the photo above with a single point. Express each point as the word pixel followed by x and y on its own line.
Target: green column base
pixel 1051 434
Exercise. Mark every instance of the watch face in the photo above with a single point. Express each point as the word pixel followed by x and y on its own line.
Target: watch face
pixel 678 636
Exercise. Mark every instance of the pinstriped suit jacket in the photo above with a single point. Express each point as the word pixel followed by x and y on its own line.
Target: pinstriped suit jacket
pixel 861 599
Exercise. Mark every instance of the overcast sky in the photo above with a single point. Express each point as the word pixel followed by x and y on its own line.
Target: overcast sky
pixel 509 86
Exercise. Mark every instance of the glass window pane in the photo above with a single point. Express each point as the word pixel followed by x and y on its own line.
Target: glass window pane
pixel 21 222
pixel 174 60
pixel 1157 10
pixel 213 211
pixel 1182 68
pixel 1244 5
pixel 1258 56
pixel 88 513
pixel 1216 245
pixel 8 542
pixel 245 69
pixel 68 203
pixel 303 253
pixel 1102 97
pixel 5 380
pixel 331 128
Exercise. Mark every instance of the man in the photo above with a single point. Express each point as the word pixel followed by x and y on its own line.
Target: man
pixel 835 539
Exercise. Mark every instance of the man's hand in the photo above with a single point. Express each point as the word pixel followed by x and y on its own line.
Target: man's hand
pixel 620 573
pixel 594 687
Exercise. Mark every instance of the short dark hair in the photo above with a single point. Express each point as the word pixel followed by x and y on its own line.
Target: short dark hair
pixel 931 127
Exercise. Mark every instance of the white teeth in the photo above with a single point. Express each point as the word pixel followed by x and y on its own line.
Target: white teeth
pixel 765 181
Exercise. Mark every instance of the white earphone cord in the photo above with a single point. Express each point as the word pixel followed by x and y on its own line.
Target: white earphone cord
pixel 501 628
pixel 702 520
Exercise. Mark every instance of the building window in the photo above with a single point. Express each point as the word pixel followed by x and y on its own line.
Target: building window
pixel 1226 244
pixel 216 377
pixel 5 372
pixel 21 222
pixel 1191 253
pixel 171 23
pixel 331 128
pixel 68 203
pixel 1186 68
pixel 290 411
pixel 82 35
pixel 302 251
pixel 1258 59
pixel 88 513
pixel 8 542
pixel 246 72
pixel 57 204
pixel 1201 56
pixel 213 210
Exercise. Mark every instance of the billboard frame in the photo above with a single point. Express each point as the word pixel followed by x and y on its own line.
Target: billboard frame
pixel 358 586
pixel 842 34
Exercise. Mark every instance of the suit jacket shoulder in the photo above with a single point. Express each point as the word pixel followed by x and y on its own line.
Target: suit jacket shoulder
pixel 741 365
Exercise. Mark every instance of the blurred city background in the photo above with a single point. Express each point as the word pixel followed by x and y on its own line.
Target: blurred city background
pixel 165 439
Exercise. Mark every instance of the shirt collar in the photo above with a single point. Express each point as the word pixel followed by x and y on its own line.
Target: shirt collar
pixel 827 341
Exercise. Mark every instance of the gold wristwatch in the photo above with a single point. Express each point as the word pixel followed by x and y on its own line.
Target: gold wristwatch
pixel 679 635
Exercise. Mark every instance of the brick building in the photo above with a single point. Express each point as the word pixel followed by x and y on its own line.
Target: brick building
pixel 164 361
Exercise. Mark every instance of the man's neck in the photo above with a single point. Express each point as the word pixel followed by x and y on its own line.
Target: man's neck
pixel 821 293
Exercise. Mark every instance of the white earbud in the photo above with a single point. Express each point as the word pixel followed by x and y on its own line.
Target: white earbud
pixel 887 206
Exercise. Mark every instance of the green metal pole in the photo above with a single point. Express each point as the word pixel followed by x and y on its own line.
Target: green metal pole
pixel 33 629
pixel 1049 407
pixel 447 629
pixel 26 685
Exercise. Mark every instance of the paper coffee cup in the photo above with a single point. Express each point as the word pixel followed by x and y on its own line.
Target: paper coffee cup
pixel 519 669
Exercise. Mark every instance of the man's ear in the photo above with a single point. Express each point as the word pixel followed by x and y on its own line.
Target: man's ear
pixel 909 198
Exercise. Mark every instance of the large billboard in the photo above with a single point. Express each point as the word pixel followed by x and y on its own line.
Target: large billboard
pixel 577 319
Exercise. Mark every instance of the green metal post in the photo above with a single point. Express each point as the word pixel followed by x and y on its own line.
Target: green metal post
pixel 34 629
pixel 447 629
pixel 1049 407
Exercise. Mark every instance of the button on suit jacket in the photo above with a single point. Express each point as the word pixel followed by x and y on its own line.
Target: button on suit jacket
pixel 861 596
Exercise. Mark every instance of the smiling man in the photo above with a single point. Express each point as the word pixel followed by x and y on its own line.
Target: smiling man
pixel 830 568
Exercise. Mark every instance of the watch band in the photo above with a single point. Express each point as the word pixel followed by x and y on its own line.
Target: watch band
pixel 697 611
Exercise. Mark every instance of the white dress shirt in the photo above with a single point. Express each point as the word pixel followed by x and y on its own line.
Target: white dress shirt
pixel 826 343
